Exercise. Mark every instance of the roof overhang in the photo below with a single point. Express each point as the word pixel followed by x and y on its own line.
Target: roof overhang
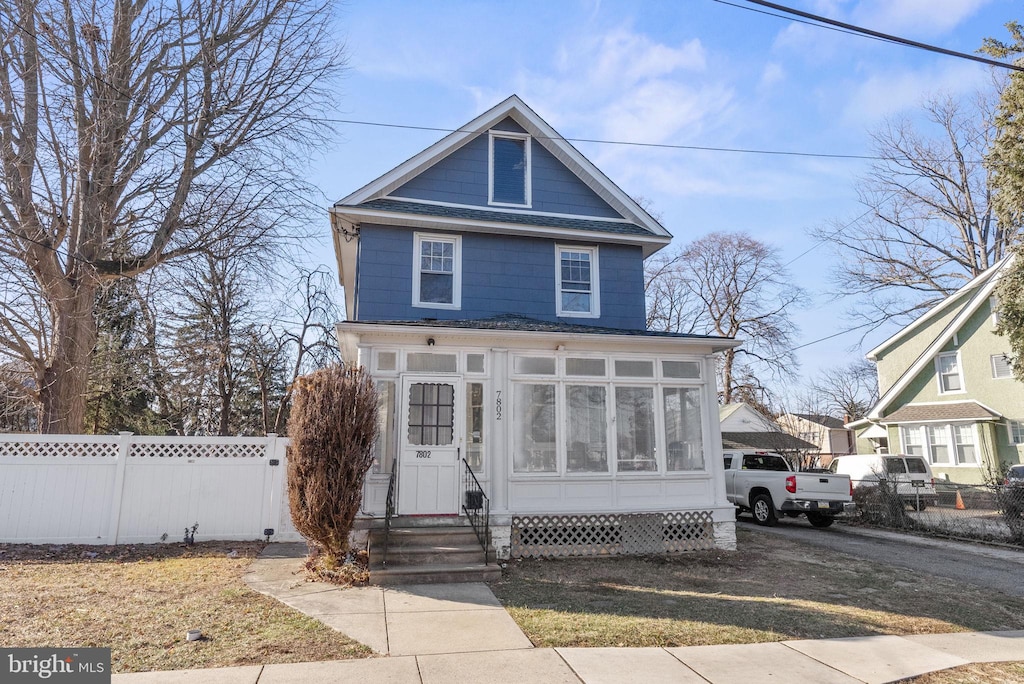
pixel 353 333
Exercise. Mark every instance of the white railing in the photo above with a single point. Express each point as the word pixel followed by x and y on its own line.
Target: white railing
pixel 127 489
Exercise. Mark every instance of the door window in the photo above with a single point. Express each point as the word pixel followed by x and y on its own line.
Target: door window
pixel 431 414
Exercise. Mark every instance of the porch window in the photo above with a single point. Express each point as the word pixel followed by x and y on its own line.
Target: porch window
pixel 947 368
pixel 587 429
pixel 683 435
pixel 943 444
pixel 634 369
pixel 577 294
pixel 913 440
pixel 533 411
pixel 635 429
pixel 509 169
pixel 431 414
pixel 437 272
pixel 384 447
pixel 475 426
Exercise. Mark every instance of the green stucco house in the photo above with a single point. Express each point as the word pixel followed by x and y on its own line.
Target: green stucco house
pixel 947 391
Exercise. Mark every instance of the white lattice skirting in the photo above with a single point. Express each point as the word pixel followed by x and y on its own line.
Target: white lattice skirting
pixel 613 534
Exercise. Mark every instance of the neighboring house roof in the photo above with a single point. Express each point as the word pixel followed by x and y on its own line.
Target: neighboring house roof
pixel 982 287
pixel 942 412
pixel 727 410
pixel 767 441
pixel 827 421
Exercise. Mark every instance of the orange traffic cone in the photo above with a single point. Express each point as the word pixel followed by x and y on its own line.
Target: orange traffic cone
pixel 960 502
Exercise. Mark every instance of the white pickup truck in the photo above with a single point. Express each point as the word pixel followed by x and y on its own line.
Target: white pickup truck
pixel 764 484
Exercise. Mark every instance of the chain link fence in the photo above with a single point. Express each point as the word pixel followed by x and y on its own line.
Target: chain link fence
pixel 982 512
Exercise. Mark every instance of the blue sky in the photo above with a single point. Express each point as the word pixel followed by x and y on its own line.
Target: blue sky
pixel 688 72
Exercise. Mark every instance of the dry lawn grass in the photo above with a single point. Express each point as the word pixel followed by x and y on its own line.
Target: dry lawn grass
pixel 139 600
pixel 770 590
pixel 1003 673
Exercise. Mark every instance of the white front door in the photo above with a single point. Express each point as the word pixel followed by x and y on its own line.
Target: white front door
pixel 428 475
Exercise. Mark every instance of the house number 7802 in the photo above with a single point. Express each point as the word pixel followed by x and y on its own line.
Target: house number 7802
pixel 497 406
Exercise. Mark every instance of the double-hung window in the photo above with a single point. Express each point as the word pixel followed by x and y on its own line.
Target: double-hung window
pixel 577 294
pixel 509 178
pixel 947 368
pixel 942 444
pixel 437 272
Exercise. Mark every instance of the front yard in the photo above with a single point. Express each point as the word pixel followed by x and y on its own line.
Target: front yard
pixel 139 600
pixel 772 589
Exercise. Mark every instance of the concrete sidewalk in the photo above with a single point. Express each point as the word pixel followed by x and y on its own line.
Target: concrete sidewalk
pixel 460 633
pixel 840 661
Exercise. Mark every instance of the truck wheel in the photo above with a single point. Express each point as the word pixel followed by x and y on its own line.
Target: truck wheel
pixel 918 505
pixel 820 519
pixel 763 510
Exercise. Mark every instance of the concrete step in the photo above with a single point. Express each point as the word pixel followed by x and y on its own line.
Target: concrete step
pixel 425 536
pixel 427 555
pixel 434 574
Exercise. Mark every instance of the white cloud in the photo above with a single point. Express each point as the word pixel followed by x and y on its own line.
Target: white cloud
pixel 916 17
pixel 895 90
pixel 771 74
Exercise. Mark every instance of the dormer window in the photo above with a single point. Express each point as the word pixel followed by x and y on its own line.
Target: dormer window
pixel 577 282
pixel 509 177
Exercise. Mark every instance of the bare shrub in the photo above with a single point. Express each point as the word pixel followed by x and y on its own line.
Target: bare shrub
pixel 333 425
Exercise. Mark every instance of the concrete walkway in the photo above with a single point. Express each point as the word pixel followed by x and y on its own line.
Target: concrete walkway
pixel 420 619
pixel 460 633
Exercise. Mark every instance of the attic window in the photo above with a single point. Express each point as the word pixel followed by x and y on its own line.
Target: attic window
pixel 509 177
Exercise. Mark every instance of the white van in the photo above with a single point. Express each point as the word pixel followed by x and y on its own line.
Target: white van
pixel 915 483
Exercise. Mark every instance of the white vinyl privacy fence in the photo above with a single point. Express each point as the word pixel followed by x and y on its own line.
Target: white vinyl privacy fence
pixel 127 489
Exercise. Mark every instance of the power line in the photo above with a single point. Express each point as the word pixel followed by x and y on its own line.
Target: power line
pixel 628 143
pixel 877 35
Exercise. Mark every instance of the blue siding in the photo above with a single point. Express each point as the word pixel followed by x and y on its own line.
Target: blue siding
pixel 492 282
pixel 461 178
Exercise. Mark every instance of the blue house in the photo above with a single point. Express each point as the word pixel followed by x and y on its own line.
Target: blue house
pixel 495 290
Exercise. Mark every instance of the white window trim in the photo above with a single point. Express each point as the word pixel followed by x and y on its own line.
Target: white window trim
pixel 595 284
pixel 1000 377
pixel 959 372
pixel 950 443
pixel 1009 432
pixel 456 240
pixel 528 188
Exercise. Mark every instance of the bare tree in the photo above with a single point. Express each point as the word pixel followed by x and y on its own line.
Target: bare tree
pixel 846 391
pixel 732 285
pixel 135 133
pixel 929 226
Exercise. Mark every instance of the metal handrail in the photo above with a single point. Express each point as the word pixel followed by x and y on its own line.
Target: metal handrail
pixel 389 512
pixel 473 501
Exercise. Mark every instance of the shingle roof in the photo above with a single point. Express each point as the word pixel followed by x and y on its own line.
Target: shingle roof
pixel 954 410
pixel 525 324
pixel 827 421
pixel 456 213
pixel 768 441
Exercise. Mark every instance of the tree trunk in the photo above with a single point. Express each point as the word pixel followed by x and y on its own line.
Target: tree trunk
pixel 65 379
pixel 727 361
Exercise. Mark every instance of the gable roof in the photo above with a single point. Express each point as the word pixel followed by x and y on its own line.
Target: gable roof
pixel 820 419
pixel 543 134
pixel 767 441
pixel 982 287
pixel 942 412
